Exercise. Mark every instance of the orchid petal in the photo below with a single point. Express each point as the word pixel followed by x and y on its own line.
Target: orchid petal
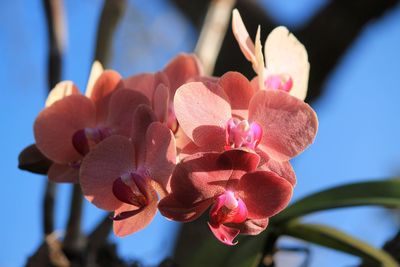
pixel 143 83
pixel 199 177
pixel 123 104
pixel 289 125
pixel 181 69
pixel 191 149
pixel 205 79
pixel 224 233
pixel 112 158
pixel 126 213
pixel 123 192
pixel 161 102
pixel 239 91
pixel 104 86
pixel 265 193
pixel 56 124
pixel 181 139
pixel 63 173
pixel 61 90
pixel 175 210
pixel 95 72
pixel 138 221
pixel 243 161
pixel 260 67
pixel 243 38
pixel 255 83
pixel 142 119
pixel 284 54
pixel 202 113
pixel 284 169
pixel 160 153
pixel 251 226
pixel 146 83
pixel 228 209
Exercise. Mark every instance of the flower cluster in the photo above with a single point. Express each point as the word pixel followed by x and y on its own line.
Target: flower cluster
pixel 183 143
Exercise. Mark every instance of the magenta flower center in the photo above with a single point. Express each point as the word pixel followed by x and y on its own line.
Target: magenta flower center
pixel 239 133
pixel 279 82
pixel 228 209
pixel 130 188
pixel 85 139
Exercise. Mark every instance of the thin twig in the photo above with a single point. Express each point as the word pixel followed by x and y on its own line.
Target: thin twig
pixel 73 240
pixel 55 26
pixel 97 239
pixel 213 32
pixel 48 207
pixel 100 234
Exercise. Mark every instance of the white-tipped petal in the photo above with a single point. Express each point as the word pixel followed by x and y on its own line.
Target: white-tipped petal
pixel 61 90
pixel 242 37
pixel 259 68
pixel 95 72
pixel 284 54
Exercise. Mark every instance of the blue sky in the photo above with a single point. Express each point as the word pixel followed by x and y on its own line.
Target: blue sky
pixel 357 139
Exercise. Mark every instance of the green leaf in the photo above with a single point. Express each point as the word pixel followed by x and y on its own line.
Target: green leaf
pixel 248 252
pixel 32 160
pixel 197 247
pixel 212 253
pixel 385 193
pixel 335 239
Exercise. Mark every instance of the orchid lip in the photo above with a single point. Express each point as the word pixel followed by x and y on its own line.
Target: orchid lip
pixel 228 209
pixel 241 133
pixel 282 82
pixel 130 189
pixel 84 139
pixel 126 214
pixel 230 200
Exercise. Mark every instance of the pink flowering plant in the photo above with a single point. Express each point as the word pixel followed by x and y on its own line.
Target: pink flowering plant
pixel 188 144
pixel 241 197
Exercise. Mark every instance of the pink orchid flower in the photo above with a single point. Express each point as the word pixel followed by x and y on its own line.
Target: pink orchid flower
pixel 230 114
pixel 286 64
pixel 122 174
pixel 160 87
pixel 72 123
pixel 241 198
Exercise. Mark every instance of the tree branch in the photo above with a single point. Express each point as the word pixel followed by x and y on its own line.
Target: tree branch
pixel 213 32
pixel 110 16
pixel 74 240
